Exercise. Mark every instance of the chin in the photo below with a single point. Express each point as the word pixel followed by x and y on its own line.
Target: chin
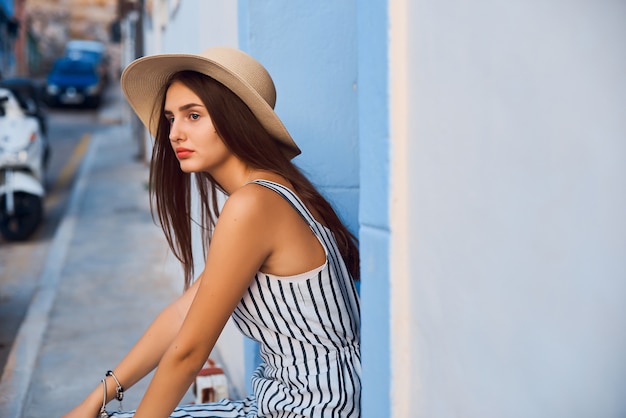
pixel 187 168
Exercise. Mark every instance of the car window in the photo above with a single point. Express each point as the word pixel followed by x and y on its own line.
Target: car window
pixel 74 68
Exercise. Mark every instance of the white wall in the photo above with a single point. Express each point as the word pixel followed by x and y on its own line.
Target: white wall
pixel 190 26
pixel 516 170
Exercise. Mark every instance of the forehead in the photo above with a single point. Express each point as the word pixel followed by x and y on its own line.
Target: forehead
pixel 178 94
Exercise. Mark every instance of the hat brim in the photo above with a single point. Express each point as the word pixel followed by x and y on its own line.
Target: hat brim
pixel 143 79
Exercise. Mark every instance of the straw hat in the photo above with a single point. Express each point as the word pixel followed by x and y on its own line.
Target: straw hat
pixel 143 78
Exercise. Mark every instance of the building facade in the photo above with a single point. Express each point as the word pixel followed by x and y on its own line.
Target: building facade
pixel 478 151
pixel 8 32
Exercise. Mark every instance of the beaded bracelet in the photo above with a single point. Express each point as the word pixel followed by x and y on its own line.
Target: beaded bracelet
pixel 119 390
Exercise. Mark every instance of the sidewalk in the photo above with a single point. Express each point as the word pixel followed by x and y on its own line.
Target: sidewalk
pixel 107 274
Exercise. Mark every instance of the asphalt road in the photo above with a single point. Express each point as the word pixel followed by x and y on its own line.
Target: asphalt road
pixel 21 263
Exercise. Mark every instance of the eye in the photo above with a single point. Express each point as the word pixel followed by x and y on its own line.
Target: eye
pixel 194 116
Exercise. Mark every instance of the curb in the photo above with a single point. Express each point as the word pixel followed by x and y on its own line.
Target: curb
pixel 17 375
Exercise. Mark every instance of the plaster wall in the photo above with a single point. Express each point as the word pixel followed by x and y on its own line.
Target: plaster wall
pixel 374 205
pixel 516 194
pixel 190 26
pixel 310 51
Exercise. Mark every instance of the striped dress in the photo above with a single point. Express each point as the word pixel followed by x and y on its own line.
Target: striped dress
pixel 308 329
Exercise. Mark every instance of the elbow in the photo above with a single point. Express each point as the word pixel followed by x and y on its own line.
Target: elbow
pixel 186 359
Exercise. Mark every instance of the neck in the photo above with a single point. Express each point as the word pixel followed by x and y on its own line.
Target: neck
pixel 233 179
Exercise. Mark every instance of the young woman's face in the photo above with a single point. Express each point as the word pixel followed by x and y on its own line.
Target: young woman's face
pixel 192 135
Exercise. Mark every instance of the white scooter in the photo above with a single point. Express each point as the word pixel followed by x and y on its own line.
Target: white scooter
pixel 22 170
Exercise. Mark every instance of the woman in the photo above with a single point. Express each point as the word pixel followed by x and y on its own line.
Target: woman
pixel 280 261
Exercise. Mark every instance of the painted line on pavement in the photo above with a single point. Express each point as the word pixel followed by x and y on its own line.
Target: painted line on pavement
pixel 69 169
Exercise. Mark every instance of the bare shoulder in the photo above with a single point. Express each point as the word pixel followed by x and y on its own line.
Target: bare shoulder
pixel 243 229
pixel 270 226
pixel 254 209
pixel 251 200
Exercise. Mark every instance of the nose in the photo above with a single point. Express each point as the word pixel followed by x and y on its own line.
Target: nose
pixel 176 133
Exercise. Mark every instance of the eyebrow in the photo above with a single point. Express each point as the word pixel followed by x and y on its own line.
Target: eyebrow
pixel 183 108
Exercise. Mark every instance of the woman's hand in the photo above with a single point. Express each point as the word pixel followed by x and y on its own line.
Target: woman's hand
pixel 87 409
pixel 143 357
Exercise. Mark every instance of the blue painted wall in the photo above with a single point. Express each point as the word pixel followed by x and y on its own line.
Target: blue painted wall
pixel 329 63
pixel 311 51
pixel 374 206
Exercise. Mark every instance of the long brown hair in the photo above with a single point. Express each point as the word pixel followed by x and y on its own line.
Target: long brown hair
pixel 170 187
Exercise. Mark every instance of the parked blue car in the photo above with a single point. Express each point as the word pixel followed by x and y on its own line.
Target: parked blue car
pixel 74 82
pixel 90 50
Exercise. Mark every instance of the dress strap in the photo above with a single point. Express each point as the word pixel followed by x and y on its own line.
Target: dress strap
pixel 291 198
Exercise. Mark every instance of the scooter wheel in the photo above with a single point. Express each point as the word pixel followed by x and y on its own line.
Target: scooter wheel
pixel 26 218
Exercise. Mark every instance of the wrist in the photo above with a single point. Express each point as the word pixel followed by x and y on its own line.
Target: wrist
pixel 92 403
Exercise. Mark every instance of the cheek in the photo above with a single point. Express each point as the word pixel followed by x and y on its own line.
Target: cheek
pixel 215 140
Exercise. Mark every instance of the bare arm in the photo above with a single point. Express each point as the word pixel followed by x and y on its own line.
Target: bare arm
pixel 256 228
pixel 144 356
pixel 237 251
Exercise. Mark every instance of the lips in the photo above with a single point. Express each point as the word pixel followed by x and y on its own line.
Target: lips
pixel 183 152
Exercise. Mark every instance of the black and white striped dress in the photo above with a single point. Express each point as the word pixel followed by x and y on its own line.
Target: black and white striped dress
pixel 308 329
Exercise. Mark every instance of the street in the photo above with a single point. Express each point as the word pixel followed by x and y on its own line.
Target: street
pixel 21 263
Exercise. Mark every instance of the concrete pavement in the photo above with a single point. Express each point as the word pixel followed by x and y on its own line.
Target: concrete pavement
pixel 107 274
